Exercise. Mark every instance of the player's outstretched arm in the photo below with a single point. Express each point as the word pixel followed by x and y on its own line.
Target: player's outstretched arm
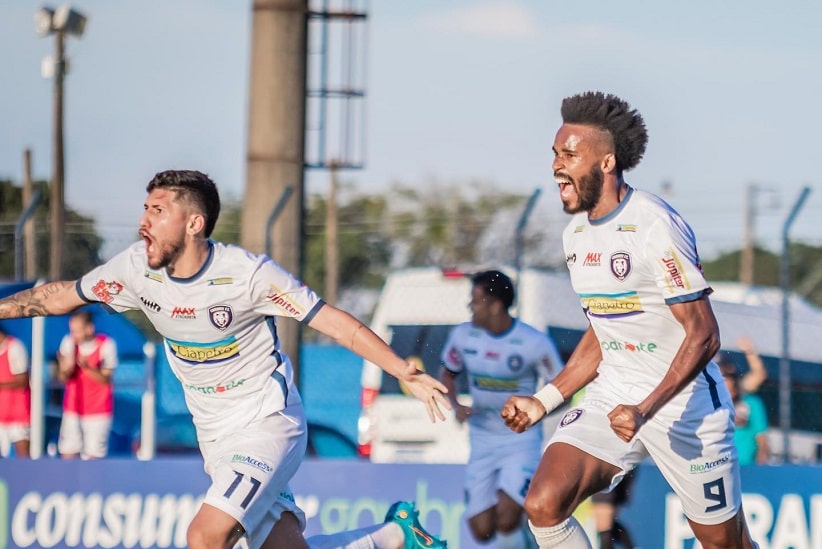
pixel 354 335
pixel 50 299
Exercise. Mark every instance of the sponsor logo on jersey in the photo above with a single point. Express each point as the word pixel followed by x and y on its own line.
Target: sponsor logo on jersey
pixel 248 460
pixel 611 305
pixel 150 305
pixel 515 363
pixel 571 259
pixel 470 351
pixel 621 265
pixel 570 417
pixel 706 466
pixel 592 259
pixel 106 291
pixel 641 346
pixel 220 316
pixel 491 355
pixel 156 277
pixel 202 353
pixel 276 297
pixel 626 228
pixel 454 356
pixel 675 276
pixel 187 313
pixel 579 228
pixel 221 281
pixel 216 389
pixel 488 383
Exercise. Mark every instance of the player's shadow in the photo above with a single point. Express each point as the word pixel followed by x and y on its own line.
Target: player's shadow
pixel 681 434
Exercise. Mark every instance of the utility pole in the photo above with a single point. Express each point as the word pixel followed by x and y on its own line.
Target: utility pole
pixel 30 247
pixel 276 141
pixel 332 262
pixel 746 256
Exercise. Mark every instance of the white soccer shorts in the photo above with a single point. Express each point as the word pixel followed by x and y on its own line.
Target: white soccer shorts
pixel 11 433
pixel 250 471
pixel 695 453
pixel 84 435
pixel 506 464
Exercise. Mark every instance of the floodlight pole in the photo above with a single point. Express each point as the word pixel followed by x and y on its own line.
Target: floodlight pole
pixel 57 205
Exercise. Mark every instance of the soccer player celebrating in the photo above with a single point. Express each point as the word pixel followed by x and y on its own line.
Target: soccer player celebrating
pixel 645 359
pixel 215 306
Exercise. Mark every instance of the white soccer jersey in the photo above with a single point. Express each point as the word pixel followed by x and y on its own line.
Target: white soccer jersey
pixel 627 268
pixel 219 329
pixel 500 366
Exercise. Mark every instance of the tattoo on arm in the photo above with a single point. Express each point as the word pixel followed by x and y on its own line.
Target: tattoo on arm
pixel 39 301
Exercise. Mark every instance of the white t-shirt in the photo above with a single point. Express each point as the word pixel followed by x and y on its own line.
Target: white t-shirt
pixel 627 268
pixel 18 356
pixel 108 350
pixel 499 366
pixel 219 328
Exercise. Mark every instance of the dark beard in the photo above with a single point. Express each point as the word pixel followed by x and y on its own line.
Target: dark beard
pixel 589 191
pixel 169 255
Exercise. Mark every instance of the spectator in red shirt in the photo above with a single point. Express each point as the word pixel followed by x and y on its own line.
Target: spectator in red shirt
pixel 86 362
pixel 15 397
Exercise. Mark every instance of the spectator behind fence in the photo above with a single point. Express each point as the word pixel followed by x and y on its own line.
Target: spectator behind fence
pixel 756 374
pixel 15 397
pixel 751 421
pixel 86 360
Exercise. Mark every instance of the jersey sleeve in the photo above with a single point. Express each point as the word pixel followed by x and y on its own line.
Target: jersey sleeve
pixel 671 248
pixel 111 283
pixel 451 358
pixel 18 357
pixel 66 346
pixel 108 352
pixel 275 292
pixel 550 362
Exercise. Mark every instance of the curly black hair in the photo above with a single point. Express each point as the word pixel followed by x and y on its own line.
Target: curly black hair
pixel 613 115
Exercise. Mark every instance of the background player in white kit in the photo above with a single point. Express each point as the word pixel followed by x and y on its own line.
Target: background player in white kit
pixel 652 388
pixel 215 306
pixel 502 356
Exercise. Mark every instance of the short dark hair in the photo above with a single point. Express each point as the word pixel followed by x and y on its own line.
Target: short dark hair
pixel 495 284
pixel 84 315
pixel 194 188
pixel 613 115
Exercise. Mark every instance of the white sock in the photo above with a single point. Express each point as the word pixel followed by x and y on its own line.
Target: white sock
pixel 388 535
pixel 511 540
pixel 568 535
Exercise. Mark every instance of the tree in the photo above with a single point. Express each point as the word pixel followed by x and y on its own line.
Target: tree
pixel 81 240
pixel 805 270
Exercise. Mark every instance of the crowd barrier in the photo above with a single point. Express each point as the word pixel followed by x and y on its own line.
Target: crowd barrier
pixel 127 503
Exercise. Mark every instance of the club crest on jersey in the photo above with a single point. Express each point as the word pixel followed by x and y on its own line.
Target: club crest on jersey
pixel 515 363
pixel 621 265
pixel 220 316
pixel 570 417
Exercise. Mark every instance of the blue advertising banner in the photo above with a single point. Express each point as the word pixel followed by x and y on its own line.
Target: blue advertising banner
pixel 125 503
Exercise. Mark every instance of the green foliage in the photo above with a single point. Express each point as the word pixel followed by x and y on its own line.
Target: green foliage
pixel 81 242
pixel 804 271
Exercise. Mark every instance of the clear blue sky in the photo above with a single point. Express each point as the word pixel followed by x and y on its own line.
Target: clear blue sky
pixel 457 91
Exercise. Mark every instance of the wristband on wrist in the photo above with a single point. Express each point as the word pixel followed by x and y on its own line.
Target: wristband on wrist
pixel 550 397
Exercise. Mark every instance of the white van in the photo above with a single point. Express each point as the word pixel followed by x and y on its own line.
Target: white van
pixel 416 311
